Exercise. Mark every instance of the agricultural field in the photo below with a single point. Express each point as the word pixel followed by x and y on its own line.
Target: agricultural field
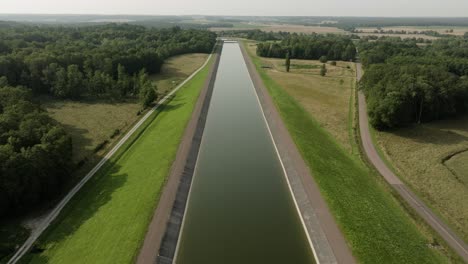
pixel 285 28
pixel 326 98
pixel 419 155
pixel 403 36
pixel 457 31
pixel 109 217
pixel 374 223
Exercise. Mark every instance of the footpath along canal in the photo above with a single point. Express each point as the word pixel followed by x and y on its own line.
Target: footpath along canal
pixel 240 209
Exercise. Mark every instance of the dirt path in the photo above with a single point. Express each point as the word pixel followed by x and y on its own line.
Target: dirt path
pixel 434 221
pixel 163 231
pixel 328 242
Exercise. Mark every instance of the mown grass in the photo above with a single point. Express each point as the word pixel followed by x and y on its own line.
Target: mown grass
pixel 107 220
pixel 417 154
pixel 377 229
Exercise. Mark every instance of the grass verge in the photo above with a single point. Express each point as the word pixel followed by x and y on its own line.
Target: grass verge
pixel 377 229
pixel 107 220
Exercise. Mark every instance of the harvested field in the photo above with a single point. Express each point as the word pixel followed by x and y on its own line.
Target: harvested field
pixel 286 28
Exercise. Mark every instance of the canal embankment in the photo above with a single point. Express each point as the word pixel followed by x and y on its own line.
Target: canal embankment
pixel 323 233
pixel 163 231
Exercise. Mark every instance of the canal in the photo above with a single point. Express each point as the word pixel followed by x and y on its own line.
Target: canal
pixel 240 209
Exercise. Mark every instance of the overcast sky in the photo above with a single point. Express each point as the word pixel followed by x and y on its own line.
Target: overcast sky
pixel 243 7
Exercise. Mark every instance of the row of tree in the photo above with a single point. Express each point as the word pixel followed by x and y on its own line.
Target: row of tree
pixel 314 46
pixel 405 83
pixel 71 62
pixel 35 152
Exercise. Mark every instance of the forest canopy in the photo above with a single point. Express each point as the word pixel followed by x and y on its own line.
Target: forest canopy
pixel 405 83
pixel 35 152
pixel 70 62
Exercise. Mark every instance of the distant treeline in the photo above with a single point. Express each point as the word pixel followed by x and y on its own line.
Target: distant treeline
pixel 349 23
pixel 97 60
pixel 314 46
pixel 406 83
pixel 254 34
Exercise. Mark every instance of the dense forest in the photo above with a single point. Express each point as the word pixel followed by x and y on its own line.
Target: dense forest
pixel 109 61
pixel 405 83
pixel 313 46
pixel 99 61
pixel 35 153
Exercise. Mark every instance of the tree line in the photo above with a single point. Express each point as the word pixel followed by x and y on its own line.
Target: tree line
pixel 312 47
pixel 405 83
pixel 103 60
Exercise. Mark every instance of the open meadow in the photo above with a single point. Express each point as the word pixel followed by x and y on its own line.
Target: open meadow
pixel 176 69
pixel 326 98
pixel 423 156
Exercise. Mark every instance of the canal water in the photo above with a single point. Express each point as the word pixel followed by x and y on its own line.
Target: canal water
pixel 240 209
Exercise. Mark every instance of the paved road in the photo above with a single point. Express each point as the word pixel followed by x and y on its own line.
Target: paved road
pixel 434 221
pixel 327 241
pixel 56 211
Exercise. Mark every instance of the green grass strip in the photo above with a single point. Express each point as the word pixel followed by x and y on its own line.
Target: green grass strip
pixel 375 226
pixel 107 220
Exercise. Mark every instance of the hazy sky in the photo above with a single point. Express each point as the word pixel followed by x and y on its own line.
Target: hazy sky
pixel 243 7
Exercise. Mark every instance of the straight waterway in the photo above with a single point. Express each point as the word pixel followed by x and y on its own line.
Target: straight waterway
pixel 240 209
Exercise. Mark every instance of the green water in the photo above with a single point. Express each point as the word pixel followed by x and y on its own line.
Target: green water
pixel 240 209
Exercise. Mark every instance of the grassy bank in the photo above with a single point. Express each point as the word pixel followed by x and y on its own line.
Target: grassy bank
pixel 107 220
pixel 376 227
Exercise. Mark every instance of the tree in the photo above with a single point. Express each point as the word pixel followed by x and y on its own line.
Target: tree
pixel 147 94
pixel 333 63
pixel 323 70
pixel 35 153
pixel 288 62
pixel 123 81
pixel 323 59
pixel 75 82
pixel 3 81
